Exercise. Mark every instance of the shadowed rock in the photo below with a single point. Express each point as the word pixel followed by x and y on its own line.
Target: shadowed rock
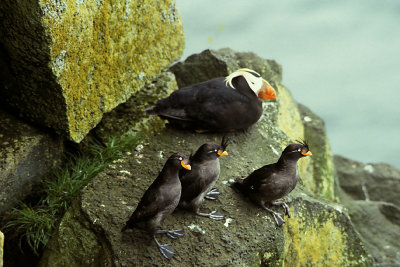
pixel 27 155
pixel 370 193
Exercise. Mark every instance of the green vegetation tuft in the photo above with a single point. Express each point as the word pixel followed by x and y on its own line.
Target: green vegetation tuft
pixel 35 223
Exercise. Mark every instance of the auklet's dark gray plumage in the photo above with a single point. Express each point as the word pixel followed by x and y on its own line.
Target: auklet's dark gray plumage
pixel 220 105
pixel 160 200
pixel 274 181
pixel 197 183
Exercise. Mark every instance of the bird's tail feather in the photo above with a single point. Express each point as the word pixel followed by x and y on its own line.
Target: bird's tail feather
pixel 238 185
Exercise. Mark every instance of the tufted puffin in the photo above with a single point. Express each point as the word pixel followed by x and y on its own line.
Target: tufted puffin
pixel 160 200
pixel 219 105
pixel 197 183
pixel 274 181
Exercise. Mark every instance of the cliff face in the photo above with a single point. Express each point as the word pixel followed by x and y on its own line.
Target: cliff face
pixel 319 233
pixel 66 63
pixel 370 193
pixel 27 155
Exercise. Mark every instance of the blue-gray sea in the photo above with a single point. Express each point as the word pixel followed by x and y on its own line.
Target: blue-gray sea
pixel 340 58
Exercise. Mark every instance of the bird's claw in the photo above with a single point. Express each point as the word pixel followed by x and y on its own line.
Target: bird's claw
pixel 286 209
pixel 278 219
pixel 166 251
pixel 215 215
pixel 174 234
pixel 213 194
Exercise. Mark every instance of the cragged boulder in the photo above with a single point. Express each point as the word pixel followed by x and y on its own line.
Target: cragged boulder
pixel 27 155
pixel 370 193
pixel 90 232
pixel 66 63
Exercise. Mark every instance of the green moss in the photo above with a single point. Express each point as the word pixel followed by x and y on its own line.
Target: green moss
pixel 130 118
pixel 320 239
pixel 90 252
pixel 322 168
pixel 311 243
pixel 289 119
pixel 36 223
pixel 103 51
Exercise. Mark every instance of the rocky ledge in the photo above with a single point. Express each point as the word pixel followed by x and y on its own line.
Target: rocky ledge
pixel 319 233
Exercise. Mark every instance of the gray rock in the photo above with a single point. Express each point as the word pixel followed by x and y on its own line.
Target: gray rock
pixel 322 171
pixel 27 155
pixel 319 232
pixel 130 117
pixel 375 182
pixel 370 193
pixel 219 63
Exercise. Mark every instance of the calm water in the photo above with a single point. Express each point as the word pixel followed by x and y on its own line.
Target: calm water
pixel 340 58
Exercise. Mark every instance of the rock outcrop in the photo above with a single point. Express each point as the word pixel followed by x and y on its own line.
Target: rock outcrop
pixel 319 232
pixel 65 63
pixel 27 155
pixel 371 194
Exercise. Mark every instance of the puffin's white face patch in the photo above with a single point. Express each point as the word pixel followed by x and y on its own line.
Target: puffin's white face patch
pixel 255 83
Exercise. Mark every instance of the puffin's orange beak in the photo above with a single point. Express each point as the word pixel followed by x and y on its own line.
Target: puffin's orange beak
pixel 186 166
pixel 267 93
pixel 306 154
pixel 222 153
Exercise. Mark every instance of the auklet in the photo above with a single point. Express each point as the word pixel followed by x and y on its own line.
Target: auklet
pixel 274 181
pixel 219 105
pixel 197 183
pixel 160 200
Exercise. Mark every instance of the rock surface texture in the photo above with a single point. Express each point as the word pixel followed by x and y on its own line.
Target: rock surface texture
pixel 65 63
pixel 27 154
pixel 318 234
pixel 371 194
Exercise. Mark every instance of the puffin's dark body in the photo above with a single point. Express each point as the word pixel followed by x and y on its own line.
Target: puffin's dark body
pixel 274 181
pixel 160 200
pixel 211 105
pixel 205 170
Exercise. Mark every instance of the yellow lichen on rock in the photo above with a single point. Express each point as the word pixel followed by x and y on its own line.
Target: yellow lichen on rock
pixel 289 119
pixel 102 51
pixel 316 239
pixel 1 248
pixel 313 244
pixel 290 122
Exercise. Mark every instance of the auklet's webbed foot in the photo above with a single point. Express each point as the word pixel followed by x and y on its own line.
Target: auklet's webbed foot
pixel 166 250
pixel 213 194
pixel 277 217
pixel 214 215
pixel 285 207
pixel 173 234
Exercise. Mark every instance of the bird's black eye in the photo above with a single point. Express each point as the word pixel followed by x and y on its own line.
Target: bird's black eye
pixel 299 149
pixel 180 158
